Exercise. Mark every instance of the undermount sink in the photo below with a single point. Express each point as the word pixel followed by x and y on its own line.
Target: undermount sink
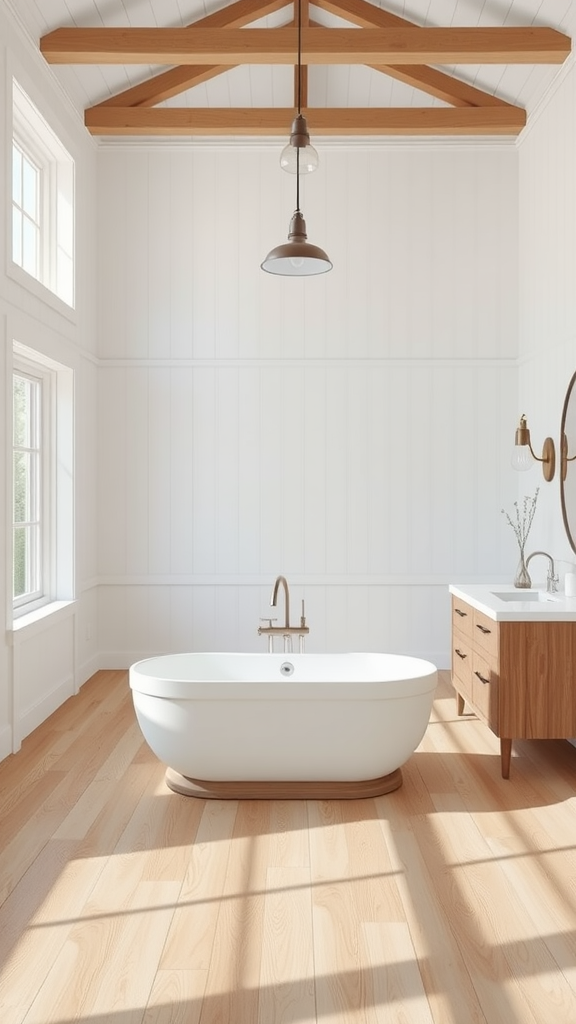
pixel 524 595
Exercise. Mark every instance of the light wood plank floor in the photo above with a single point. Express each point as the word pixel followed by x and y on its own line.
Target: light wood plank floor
pixel 449 901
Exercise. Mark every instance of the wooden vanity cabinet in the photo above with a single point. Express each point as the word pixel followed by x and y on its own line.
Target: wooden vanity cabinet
pixel 518 677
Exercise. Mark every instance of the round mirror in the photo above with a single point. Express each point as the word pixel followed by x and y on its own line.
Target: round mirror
pixel 568 462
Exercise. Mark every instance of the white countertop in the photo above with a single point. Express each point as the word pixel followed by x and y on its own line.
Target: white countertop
pixel 540 607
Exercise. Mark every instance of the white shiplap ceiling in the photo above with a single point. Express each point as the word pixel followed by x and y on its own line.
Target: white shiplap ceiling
pixel 265 86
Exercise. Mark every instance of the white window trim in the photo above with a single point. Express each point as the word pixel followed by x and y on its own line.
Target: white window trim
pixel 46 378
pixel 28 134
pixel 59 493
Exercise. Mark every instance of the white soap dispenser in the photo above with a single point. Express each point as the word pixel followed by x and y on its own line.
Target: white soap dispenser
pixel 570 582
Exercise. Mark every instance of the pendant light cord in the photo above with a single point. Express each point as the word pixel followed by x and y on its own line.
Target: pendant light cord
pixel 299 91
pixel 299 98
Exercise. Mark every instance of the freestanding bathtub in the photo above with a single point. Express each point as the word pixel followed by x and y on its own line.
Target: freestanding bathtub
pixel 288 726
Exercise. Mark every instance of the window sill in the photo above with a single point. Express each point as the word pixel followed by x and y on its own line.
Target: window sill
pixel 40 291
pixel 37 621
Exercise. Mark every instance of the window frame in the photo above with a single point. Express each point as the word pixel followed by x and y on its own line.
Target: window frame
pixel 26 156
pixel 45 379
pixel 56 279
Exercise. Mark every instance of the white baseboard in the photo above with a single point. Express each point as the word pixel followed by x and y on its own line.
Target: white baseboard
pixel 33 716
pixel 124 659
pixel 85 671
pixel 5 742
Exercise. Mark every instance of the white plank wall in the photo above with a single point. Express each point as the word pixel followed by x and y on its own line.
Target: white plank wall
pixel 547 197
pixel 423 240
pixel 349 431
pixel 43 663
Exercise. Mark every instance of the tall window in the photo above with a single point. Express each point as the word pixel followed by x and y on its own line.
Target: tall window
pixel 42 200
pixel 28 489
pixel 42 480
pixel 26 187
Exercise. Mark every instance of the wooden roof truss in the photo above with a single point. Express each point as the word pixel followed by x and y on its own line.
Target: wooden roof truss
pixel 387 43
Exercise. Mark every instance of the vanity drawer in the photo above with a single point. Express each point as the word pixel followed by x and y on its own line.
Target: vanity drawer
pixel 461 658
pixel 485 633
pixel 462 617
pixel 485 690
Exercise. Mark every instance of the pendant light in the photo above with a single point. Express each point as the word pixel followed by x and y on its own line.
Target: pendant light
pixel 297 257
pixel 299 151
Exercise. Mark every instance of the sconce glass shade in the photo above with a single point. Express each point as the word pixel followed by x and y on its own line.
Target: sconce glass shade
pixel 523 456
pixel 299 155
pixel 297 257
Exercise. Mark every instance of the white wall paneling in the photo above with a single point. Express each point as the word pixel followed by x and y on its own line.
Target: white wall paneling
pixel 399 484
pixel 44 670
pixel 139 621
pixel 352 431
pixel 369 478
pixel 41 665
pixel 547 266
pixel 346 431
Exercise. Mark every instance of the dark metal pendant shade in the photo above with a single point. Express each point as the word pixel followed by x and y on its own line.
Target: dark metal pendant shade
pixel 297 257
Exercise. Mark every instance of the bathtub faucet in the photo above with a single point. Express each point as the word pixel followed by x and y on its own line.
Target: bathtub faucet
pixel 274 599
pixel 287 631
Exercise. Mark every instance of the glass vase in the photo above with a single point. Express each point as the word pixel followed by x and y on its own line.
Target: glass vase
pixel 522 578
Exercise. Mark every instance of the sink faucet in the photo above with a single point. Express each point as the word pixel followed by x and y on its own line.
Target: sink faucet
pixel 551 578
pixel 287 631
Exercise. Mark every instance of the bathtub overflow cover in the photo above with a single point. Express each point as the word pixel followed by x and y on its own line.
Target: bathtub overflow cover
pixel 286 668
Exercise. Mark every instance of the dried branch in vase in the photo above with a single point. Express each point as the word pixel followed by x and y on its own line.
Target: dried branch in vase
pixel 523 519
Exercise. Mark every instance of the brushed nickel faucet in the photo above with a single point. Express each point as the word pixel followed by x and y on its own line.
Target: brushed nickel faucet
pixel 274 599
pixel 552 577
pixel 287 631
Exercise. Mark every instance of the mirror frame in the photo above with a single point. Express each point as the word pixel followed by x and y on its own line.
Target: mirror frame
pixel 570 396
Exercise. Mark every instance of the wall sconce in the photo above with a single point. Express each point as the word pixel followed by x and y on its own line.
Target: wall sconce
pixel 523 456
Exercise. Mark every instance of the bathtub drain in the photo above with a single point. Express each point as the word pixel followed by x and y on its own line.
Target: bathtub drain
pixel 286 668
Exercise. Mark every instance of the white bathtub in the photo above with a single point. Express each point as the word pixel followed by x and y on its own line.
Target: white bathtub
pixel 283 725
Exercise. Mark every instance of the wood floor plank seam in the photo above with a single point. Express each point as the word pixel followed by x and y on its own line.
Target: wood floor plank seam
pixel 448 901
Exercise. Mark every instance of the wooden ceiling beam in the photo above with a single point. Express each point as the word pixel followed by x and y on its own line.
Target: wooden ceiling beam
pixel 177 80
pixel 429 80
pixel 444 87
pixel 396 46
pixel 165 85
pixel 267 121
pixel 364 14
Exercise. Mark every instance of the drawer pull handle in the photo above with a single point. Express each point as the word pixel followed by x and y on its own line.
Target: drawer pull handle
pixel 462 614
pixel 459 653
pixel 481 677
pixel 483 629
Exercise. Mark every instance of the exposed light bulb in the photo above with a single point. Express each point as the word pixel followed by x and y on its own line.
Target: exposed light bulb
pixel 289 159
pixel 522 458
pixel 299 155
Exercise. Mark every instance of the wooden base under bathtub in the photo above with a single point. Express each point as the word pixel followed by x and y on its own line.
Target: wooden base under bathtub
pixel 283 790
